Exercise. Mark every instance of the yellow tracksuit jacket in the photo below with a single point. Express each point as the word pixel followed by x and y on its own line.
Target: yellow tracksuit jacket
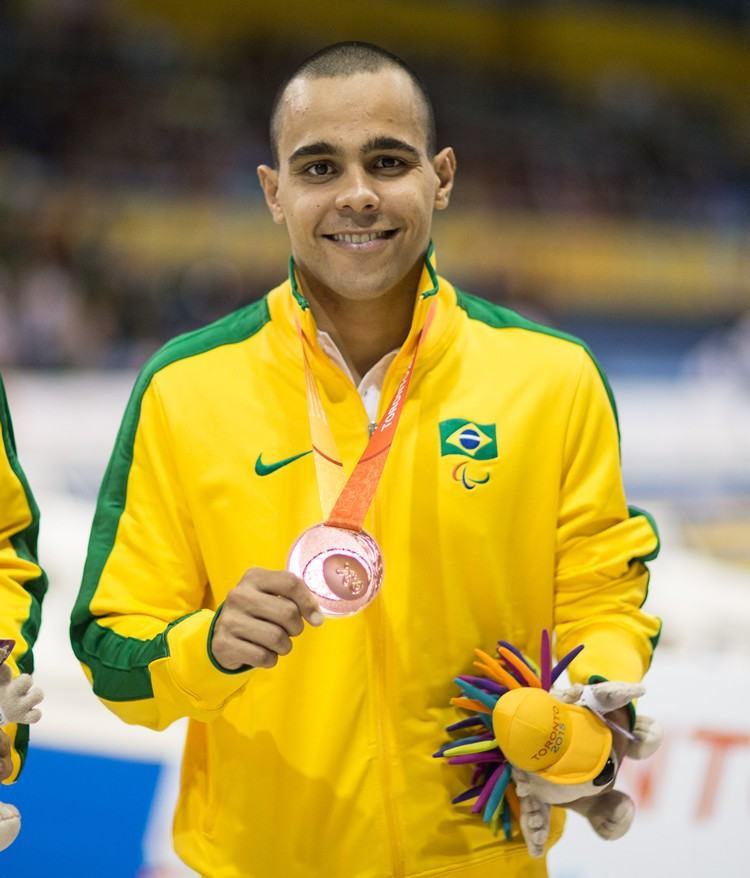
pixel 22 581
pixel 500 511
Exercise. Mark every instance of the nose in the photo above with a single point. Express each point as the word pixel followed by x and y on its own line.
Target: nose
pixel 356 193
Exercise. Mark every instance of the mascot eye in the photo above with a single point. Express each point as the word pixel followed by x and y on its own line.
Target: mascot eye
pixel 606 775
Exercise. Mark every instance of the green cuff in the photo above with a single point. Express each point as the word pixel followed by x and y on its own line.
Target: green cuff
pixel 212 657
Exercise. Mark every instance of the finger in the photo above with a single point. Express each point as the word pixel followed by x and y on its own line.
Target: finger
pixel 242 623
pixel 4 745
pixel 643 723
pixel 33 716
pixel 278 610
pixel 5 674
pixel 33 697
pixel 571 694
pixel 266 635
pixel 290 586
pixel 612 695
pixel 251 654
pixel 536 820
pixel 21 685
pixel 634 691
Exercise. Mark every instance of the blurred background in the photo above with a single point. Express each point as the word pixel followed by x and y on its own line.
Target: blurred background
pixel 604 188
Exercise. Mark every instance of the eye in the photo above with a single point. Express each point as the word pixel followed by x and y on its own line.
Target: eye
pixel 319 169
pixel 388 163
pixel 606 775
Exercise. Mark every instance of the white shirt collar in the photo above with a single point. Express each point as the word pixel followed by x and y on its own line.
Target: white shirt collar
pixel 371 385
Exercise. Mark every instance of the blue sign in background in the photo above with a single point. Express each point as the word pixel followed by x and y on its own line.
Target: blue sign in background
pixel 82 816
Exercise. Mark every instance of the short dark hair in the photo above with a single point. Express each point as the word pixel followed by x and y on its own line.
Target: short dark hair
pixel 345 59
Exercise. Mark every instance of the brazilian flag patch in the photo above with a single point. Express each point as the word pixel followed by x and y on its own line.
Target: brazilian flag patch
pixel 459 436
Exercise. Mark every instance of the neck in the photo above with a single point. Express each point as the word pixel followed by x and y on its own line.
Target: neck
pixel 364 331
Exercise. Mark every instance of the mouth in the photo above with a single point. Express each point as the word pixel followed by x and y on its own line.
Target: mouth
pixel 362 241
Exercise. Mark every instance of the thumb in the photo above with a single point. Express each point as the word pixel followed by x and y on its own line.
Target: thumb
pixel 571 694
pixel 612 695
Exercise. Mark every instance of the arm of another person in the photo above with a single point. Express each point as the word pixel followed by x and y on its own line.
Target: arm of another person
pixel 140 626
pixel 22 581
pixel 602 546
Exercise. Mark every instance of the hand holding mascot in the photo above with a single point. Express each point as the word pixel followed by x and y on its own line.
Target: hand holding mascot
pixel 533 746
pixel 18 704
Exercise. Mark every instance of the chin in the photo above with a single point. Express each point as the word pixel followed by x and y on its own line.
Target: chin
pixel 354 280
pixel 357 287
pixel 365 285
pixel 361 293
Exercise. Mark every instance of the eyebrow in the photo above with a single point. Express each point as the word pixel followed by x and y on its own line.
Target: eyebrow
pixel 389 143
pixel 322 147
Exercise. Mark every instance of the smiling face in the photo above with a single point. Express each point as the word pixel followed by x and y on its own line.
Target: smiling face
pixel 355 186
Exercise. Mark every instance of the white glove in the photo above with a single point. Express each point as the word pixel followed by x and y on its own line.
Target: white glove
pixel 10 825
pixel 648 736
pixel 604 697
pixel 18 698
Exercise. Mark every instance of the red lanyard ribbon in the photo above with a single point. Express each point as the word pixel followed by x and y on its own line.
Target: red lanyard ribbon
pixel 354 498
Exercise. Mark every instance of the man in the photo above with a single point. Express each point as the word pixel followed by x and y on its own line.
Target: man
pixel 500 511
pixel 22 587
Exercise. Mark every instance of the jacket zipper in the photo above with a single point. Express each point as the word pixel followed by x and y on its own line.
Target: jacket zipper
pixel 379 676
pixel 381 701
pixel 377 647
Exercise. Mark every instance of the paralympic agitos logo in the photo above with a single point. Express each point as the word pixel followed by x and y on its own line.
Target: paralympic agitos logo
pixel 468 439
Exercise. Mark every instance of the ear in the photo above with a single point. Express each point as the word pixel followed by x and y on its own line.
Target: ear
pixel 269 183
pixel 444 165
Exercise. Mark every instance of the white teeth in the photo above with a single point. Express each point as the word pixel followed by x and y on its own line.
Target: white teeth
pixel 359 239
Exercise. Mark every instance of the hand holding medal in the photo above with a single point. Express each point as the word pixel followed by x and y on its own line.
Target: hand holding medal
pixel 339 562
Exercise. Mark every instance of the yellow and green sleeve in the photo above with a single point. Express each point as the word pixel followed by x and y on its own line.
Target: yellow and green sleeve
pixel 141 625
pixel 602 545
pixel 22 581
